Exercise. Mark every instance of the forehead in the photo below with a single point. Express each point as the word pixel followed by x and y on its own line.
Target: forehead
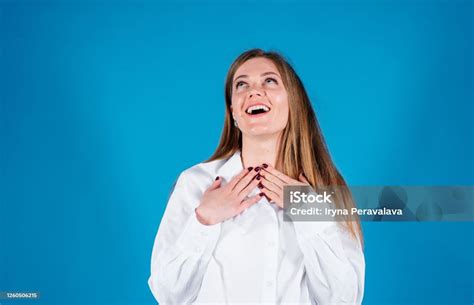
pixel 257 65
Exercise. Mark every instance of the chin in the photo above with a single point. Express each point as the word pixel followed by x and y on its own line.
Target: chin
pixel 260 131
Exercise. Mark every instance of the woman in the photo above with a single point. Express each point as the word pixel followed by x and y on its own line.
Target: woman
pixel 222 238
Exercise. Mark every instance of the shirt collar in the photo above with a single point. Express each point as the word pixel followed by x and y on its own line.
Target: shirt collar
pixel 231 167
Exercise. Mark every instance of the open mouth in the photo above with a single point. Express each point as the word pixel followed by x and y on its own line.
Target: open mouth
pixel 257 109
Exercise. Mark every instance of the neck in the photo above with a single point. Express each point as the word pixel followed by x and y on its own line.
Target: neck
pixel 259 150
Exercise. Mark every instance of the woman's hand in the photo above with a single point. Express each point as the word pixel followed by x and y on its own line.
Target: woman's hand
pixel 220 203
pixel 273 181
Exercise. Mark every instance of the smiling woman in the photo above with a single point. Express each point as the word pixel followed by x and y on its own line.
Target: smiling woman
pixel 222 238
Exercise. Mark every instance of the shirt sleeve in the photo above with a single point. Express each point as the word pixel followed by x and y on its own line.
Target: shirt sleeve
pixel 334 262
pixel 182 248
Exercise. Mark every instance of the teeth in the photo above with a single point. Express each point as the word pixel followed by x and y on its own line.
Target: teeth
pixel 257 107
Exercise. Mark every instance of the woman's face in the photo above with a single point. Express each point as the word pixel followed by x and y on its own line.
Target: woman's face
pixel 259 99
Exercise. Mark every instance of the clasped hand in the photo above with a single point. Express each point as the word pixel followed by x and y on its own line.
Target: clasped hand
pixel 221 202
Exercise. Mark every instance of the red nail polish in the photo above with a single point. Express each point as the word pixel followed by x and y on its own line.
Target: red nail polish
pixel 250 168
pixel 260 185
pixel 217 178
pixel 258 177
pixel 265 165
pixel 262 194
pixel 257 169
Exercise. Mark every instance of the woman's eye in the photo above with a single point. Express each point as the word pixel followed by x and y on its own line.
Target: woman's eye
pixel 238 85
pixel 271 80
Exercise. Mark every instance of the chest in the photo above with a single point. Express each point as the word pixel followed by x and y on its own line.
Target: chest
pixel 258 233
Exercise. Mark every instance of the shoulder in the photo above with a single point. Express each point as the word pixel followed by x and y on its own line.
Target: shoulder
pixel 202 173
pixel 193 182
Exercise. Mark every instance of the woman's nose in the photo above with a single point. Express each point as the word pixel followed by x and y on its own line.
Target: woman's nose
pixel 255 92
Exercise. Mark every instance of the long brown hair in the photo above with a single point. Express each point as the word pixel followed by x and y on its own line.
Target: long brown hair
pixel 302 147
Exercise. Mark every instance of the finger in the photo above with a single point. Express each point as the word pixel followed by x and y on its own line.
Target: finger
pixel 249 202
pixel 270 169
pixel 268 196
pixel 216 184
pixel 273 180
pixel 278 180
pixel 264 183
pixel 270 190
pixel 274 197
pixel 233 182
pixel 244 182
pixel 246 190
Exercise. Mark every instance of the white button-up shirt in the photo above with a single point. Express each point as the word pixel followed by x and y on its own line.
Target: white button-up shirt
pixel 252 258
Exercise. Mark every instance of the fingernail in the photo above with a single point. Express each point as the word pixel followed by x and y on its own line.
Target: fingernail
pixel 217 178
pixel 265 165
pixel 262 194
pixel 258 177
pixel 250 168
pixel 260 185
pixel 257 169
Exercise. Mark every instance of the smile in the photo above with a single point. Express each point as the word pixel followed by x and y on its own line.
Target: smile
pixel 257 109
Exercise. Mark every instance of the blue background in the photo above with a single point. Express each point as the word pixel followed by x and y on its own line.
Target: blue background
pixel 103 104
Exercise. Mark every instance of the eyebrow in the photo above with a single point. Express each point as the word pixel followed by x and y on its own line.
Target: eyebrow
pixel 263 74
